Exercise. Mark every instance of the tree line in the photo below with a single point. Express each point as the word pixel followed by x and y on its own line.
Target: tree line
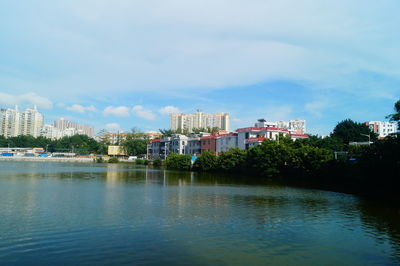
pixel 368 169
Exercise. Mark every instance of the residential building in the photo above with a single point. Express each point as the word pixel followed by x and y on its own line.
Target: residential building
pixel 225 142
pixel 193 146
pixel 250 135
pixel 67 127
pixel 51 132
pixel 10 122
pixel 14 122
pixel 208 143
pixel 199 120
pixel 382 128
pixel 31 122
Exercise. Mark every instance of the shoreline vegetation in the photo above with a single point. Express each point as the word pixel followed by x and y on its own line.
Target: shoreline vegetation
pixel 329 163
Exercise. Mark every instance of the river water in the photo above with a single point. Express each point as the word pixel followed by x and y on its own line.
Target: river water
pixel 108 214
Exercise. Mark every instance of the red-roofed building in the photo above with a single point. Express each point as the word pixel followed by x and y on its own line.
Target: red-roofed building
pixel 208 143
pixel 225 142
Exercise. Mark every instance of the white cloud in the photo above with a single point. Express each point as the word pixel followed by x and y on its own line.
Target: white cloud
pixel 211 44
pixel 81 109
pixel 121 111
pixel 141 112
pixel 113 127
pixel 166 110
pixel 27 98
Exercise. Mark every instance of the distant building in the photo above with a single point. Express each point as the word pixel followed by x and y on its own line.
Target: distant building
pixel 225 142
pixel 68 127
pixel 14 122
pixel 382 128
pixel 199 120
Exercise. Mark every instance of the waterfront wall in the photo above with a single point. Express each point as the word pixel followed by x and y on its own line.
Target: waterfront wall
pixel 47 159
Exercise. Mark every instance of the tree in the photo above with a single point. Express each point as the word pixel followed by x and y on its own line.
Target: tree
pixel 233 160
pixel 207 161
pixel 396 115
pixel 349 131
pixel 178 161
pixel 134 144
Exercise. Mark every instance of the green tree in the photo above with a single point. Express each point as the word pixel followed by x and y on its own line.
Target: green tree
pixel 207 161
pixel 233 160
pixel 135 143
pixel 272 158
pixel 349 131
pixel 395 116
pixel 178 161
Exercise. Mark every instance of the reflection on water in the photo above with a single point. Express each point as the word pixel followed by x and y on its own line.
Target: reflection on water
pixel 114 214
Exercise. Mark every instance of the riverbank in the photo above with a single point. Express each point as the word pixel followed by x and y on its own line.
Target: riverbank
pixel 47 159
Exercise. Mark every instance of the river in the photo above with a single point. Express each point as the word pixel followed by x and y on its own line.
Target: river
pixel 108 214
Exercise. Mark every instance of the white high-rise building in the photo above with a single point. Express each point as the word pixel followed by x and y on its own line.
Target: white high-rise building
pixel 31 122
pixel 68 128
pixel 199 120
pixel 382 128
pixel 14 122
pixel 10 122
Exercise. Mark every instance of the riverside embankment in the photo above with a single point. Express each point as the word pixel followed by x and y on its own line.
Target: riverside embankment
pixel 47 159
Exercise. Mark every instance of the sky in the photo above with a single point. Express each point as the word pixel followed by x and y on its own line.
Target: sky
pixel 122 64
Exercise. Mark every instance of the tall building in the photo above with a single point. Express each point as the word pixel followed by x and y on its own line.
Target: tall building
pixel 14 122
pixel 31 122
pixel 69 127
pixel 10 122
pixel 199 120
pixel 382 128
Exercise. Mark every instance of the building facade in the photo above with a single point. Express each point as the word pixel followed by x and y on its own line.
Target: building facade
pixel 199 120
pixel 382 128
pixel 14 122
pixel 225 142
pixel 72 127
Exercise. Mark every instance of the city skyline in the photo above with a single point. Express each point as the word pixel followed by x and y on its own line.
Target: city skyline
pixel 91 62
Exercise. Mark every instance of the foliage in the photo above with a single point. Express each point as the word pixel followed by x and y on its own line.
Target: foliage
pixel 157 162
pixel 113 160
pixel 99 159
pixel 311 160
pixel 178 161
pixel 207 161
pixel 349 131
pixel 395 116
pixel 272 158
pixel 77 143
pixel 139 161
pixel 135 143
pixel 328 143
pixel 233 160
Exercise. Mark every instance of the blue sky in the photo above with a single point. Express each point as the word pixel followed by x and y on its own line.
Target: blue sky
pixel 122 64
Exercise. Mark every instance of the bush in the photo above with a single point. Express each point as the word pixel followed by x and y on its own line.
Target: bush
pixel 178 161
pixel 207 161
pixel 146 162
pixel 232 160
pixel 139 161
pixel 113 160
pixel 157 162
pixel 99 160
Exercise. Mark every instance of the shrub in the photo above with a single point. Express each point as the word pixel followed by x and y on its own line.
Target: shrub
pixel 99 160
pixel 113 160
pixel 232 160
pixel 157 162
pixel 207 161
pixel 139 161
pixel 178 161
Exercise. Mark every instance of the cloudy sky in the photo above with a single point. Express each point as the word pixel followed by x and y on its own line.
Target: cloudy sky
pixel 129 63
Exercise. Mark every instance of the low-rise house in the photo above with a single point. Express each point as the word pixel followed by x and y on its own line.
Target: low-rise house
pixel 244 134
pixel 208 143
pixel 193 146
pixel 226 141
